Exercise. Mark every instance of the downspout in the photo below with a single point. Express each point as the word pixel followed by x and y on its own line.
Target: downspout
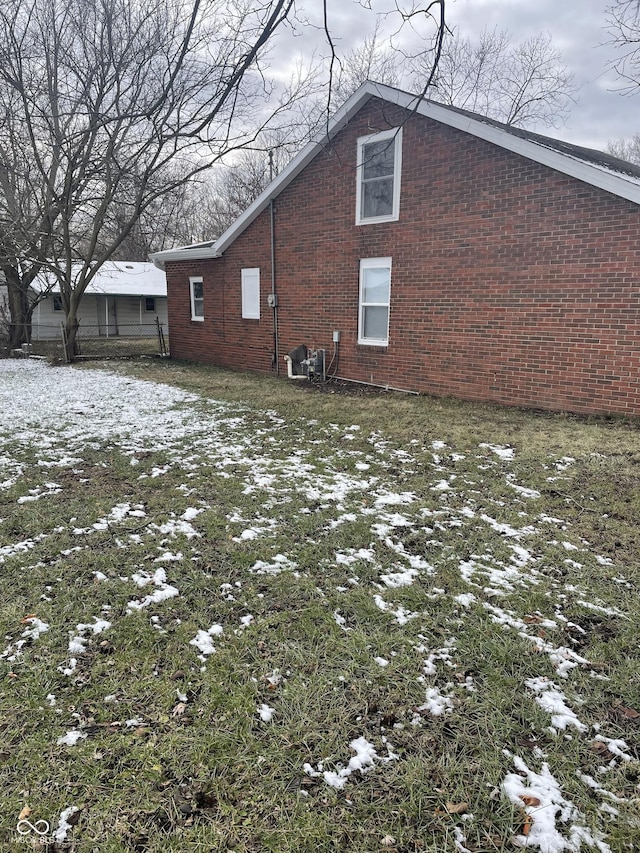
pixel 274 298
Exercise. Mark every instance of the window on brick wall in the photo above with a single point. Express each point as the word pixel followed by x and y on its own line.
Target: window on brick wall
pixel 196 294
pixel 250 284
pixel 378 177
pixel 375 293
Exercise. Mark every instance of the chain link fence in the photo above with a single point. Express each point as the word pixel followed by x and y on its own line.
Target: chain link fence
pixel 93 341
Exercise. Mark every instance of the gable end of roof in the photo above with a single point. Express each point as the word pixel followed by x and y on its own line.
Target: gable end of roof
pixel 592 167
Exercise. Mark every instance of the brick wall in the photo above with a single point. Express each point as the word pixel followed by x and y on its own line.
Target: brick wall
pixel 510 283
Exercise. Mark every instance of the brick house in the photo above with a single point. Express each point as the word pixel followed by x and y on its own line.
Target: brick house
pixel 448 253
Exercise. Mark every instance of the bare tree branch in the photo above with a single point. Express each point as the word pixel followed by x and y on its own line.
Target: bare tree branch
pixel 522 84
pixel 626 149
pixel 623 19
pixel 113 105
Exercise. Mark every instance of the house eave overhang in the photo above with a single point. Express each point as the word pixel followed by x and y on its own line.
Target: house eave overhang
pixel 186 253
pixel 614 182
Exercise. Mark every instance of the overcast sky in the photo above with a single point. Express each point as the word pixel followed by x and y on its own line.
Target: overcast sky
pixel 578 30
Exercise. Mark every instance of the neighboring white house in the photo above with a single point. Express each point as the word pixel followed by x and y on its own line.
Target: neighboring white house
pixel 123 299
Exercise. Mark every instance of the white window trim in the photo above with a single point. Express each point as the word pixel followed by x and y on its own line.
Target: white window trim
pixel 373 263
pixel 250 286
pixel 196 279
pixel 394 134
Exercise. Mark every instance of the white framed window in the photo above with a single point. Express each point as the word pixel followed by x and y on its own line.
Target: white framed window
pixel 379 167
pixel 196 295
pixel 375 295
pixel 250 284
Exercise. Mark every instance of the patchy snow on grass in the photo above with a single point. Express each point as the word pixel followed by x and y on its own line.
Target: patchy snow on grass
pixel 163 590
pixel 505 453
pixel 63 827
pixel 203 641
pixel 71 738
pixel 379 539
pixel 78 641
pixel 364 760
pixel 266 713
pixel 551 699
pixel 436 703
pixel 556 824
pixel 34 630
pixel 280 563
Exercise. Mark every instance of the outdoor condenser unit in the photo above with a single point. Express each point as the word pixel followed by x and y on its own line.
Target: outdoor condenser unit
pixel 305 364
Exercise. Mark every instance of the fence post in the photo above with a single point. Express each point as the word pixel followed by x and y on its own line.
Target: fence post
pixel 161 342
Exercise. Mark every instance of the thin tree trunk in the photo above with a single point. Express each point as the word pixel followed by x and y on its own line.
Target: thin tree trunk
pixel 20 310
pixel 71 331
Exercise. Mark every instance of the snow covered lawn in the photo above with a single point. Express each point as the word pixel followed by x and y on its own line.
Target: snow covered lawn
pixel 231 627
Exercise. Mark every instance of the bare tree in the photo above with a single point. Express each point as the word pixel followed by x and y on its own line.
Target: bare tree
pixel 371 60
pixel 518 84
pixel 159 225
pixel 210 203
pixel 25 222
pixel 626 149
pixel 223 198
pixel 623 18
pixel 201 208
pixel 113 105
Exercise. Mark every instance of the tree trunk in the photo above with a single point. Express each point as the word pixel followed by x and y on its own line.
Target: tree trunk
pixel 71 349
pixel 20 310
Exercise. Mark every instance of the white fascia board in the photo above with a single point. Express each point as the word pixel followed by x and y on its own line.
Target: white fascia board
pixel 605 179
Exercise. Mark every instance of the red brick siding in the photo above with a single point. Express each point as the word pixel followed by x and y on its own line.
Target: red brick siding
pixel 510 282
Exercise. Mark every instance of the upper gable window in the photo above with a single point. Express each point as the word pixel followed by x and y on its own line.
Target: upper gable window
pixel 378 172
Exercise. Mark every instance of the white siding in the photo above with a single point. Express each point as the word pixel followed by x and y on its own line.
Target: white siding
pixel 125 315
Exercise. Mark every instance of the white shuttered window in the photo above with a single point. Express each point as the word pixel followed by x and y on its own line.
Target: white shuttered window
pixel 250 283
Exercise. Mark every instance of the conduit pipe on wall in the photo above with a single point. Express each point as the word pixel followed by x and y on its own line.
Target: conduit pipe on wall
pixel 274 298
pixel 376 385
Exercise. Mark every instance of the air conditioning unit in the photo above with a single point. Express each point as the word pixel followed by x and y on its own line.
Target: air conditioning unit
pixel 305 364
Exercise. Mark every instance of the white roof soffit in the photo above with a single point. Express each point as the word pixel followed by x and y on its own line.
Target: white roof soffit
pixel 617 183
